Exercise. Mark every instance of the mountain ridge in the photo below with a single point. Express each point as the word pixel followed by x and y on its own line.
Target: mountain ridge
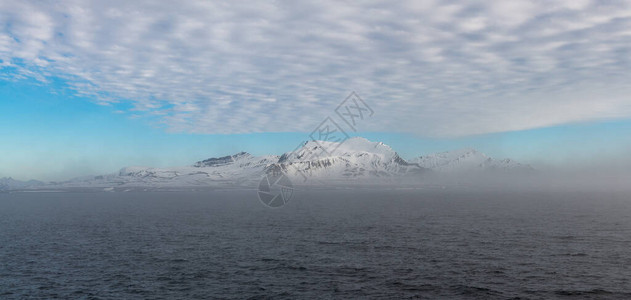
pixel 354 160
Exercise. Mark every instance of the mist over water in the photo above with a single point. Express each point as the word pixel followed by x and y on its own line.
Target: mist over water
pixel 342 243
pixel 598 179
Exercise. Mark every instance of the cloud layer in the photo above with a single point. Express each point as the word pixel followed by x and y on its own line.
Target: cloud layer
pixel 439 68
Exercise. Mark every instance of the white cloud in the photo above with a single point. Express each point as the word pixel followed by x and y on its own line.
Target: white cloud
pixel 427 67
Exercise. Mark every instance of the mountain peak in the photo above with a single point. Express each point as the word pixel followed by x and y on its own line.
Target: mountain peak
pixel 352 158
pixel 351 145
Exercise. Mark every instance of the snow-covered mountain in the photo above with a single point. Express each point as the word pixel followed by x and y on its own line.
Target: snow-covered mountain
pixel 8 183
pixel 467 160
pixel 239 169
pixel 354 160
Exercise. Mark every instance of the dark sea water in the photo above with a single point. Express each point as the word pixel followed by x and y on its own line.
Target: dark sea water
pixel 324 244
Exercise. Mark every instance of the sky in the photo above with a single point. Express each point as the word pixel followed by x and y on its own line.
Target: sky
pixel 87 87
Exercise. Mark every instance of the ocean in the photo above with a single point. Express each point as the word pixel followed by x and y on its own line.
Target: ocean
pixel 324 244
